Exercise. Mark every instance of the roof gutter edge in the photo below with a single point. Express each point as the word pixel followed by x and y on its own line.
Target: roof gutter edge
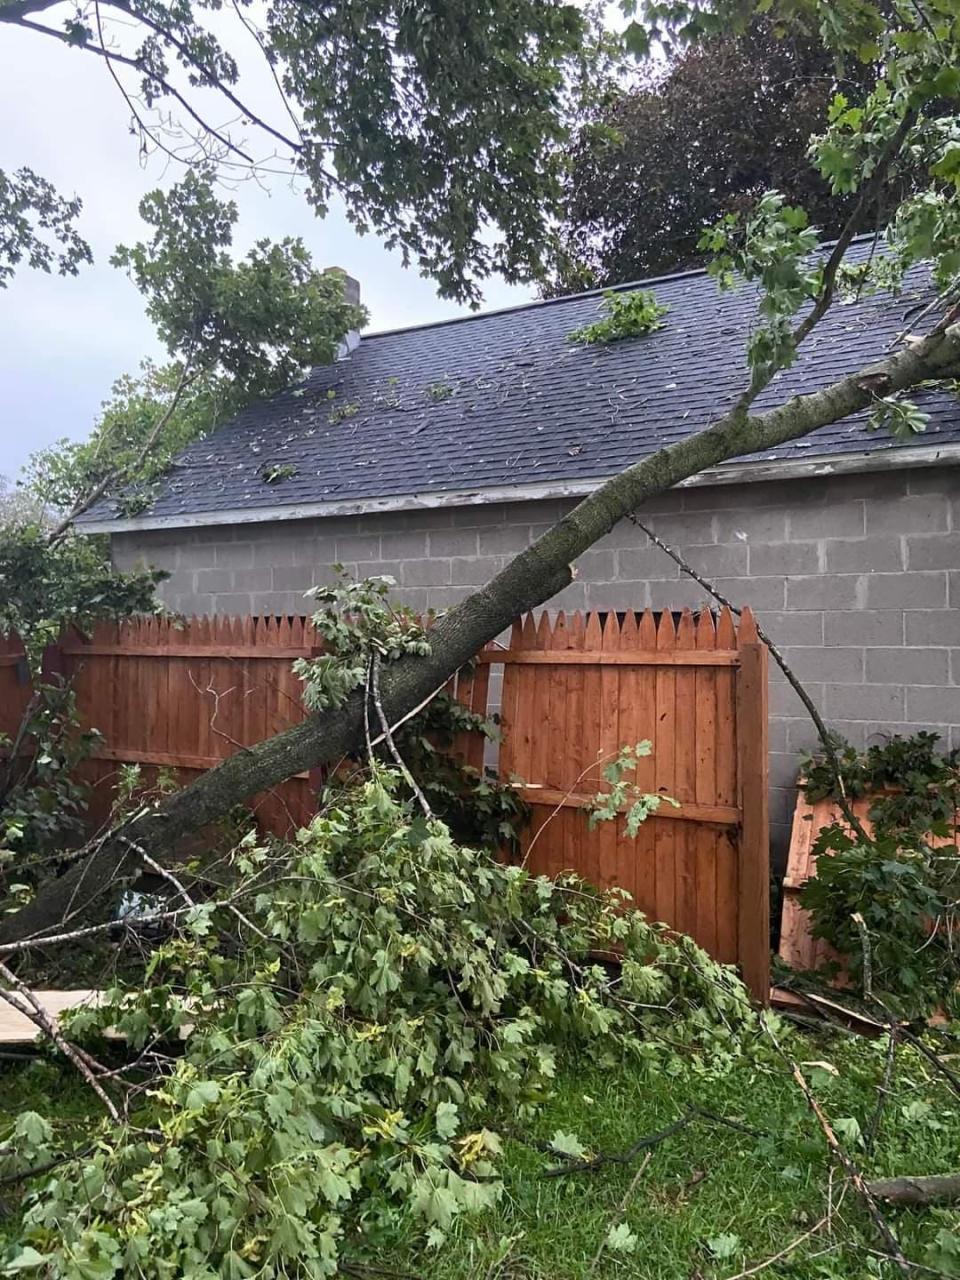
pixel 893 457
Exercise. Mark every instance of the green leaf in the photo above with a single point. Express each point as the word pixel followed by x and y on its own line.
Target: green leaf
pixel 447 1119
pixel 848 1130
pixel 620 1239
pixel 202 1094
pixel 26 1259
pixel 724 1247
pixel 33 1128
pixel 567 1144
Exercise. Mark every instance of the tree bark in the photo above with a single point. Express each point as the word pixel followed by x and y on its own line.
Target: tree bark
pixel 529 580
pixel 936 1188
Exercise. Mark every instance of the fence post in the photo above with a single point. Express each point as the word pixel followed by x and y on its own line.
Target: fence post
pixel 754 891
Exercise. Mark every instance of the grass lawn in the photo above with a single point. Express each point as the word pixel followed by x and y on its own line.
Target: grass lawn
pixel 711 1202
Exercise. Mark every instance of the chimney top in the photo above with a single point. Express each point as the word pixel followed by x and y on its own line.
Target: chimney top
pixel 351 294
pixel 351 287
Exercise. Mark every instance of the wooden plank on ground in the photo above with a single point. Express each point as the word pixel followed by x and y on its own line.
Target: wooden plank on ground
pixel 17 1029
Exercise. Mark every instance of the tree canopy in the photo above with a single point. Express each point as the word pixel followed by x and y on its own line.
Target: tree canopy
pixel 703 134
pixel 440 126
pixel 234 330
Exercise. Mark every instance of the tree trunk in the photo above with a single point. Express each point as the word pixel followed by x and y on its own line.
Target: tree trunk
pixel 529 580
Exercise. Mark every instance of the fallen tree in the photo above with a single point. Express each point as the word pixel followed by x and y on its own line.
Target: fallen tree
pixel 774 249
pixel 530 579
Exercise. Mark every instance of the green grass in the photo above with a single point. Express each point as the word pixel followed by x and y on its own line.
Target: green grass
pixel 706 1190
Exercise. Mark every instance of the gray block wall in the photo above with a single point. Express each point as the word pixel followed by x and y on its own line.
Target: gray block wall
pixel 857 578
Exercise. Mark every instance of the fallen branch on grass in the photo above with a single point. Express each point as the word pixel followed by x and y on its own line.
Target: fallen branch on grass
pixel 21 998
pixel 931 1189
pixel 855 1177
pixel 647 1141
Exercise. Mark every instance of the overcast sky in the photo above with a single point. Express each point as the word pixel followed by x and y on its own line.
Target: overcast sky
pixel 63 340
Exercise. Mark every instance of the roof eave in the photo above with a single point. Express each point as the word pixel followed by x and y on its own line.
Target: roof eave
pixel 877 459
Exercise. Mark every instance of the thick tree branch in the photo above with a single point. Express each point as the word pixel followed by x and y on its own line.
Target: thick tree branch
pixel 19 996
pixel 932 1189
pixel 529 580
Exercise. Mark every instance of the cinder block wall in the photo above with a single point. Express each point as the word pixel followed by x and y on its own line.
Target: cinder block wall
pixel 857 578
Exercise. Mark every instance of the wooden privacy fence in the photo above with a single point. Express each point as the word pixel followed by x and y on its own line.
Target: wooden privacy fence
pixel 182 696
pixel 576 690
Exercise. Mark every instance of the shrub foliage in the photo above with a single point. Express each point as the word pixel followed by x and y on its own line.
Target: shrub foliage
pixel 889 903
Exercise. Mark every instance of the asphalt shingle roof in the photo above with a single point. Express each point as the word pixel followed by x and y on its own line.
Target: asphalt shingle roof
pixel 506 399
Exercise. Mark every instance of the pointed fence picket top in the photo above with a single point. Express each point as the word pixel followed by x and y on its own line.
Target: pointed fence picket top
pixel 179 695
pixel 578 688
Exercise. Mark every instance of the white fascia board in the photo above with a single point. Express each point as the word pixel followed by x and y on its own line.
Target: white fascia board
pixel 895 458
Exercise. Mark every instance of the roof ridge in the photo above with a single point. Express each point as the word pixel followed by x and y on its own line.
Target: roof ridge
pixel 569 297
pixel 534 303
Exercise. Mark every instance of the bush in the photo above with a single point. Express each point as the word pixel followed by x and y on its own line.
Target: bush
pixel 888 904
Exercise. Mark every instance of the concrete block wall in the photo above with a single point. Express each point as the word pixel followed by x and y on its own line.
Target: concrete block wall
pixel 857 578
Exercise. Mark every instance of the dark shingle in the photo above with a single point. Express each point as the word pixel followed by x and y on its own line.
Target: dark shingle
pixel 506 399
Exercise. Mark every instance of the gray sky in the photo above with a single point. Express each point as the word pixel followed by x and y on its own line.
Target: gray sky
pixel 63 340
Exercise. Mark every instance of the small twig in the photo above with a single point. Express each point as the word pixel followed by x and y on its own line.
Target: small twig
pixel 853 1173
pixel 75 935
pixel 822 732
pixel 366 714
pixel 914 1266
pixel 861 924
pixel 14 751
pixel 883 1089
pixel 10 1179
pixel 388 738
pixel 563 799
pixel 649 1140
pixel 778 1257
pixel 155 866
pixel 618 1213
pixel 933 1058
